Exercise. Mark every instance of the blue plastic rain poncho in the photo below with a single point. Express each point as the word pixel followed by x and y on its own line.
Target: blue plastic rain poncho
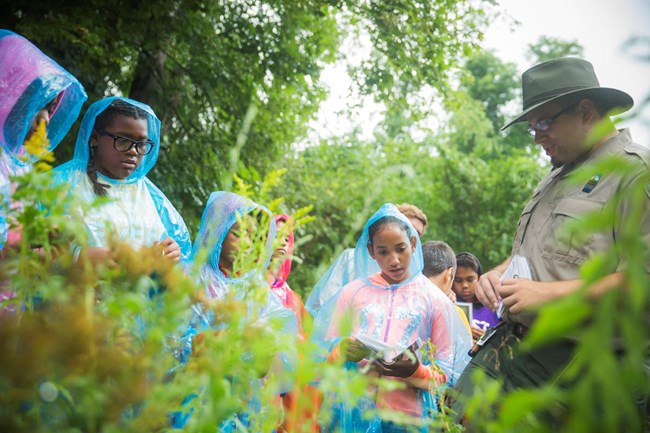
pixel 390 319
pixel 220 215
pixel 138 212
pixel 222 212
pixel 30 80
pixel 337 276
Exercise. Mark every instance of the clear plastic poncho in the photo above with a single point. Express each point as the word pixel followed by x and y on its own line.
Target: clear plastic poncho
pixel 340 273
pixel 390 318
pixel 222 211
pixel 138 212
pixel 29 80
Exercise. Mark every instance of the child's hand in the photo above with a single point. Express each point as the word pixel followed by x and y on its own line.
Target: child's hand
pixel 98 256
pixel 354 350
pixel 170 249
pixel 403 366
pixel 477 333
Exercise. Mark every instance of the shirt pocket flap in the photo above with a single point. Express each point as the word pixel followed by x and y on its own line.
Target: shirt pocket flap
pixel 576 208
pixel 565 241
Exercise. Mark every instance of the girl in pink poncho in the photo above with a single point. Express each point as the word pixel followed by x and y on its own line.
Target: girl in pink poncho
pixel 33 89
pixel 278 278
pixel 300 404
pixel 403 327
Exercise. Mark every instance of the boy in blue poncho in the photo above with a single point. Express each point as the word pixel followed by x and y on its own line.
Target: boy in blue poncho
pixel 117 146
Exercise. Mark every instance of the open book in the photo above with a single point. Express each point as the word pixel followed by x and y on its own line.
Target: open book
pixel 383 350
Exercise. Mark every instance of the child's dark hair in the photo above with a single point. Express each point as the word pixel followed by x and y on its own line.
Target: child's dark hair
pixel 103 120
pixel 438 257
pixel 388 219
pixel 469 260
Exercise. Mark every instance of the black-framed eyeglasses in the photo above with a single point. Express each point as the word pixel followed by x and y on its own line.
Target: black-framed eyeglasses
pixel 124 144
pixel 544 124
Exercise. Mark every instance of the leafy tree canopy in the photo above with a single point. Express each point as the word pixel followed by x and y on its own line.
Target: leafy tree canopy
pixel 205 66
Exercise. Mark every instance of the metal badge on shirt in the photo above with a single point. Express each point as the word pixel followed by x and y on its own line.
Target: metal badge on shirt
pixel 591 183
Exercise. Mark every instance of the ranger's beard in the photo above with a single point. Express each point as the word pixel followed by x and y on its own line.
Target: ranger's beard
pixel 555 163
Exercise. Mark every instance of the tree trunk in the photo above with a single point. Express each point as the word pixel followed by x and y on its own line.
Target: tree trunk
pixel 147 82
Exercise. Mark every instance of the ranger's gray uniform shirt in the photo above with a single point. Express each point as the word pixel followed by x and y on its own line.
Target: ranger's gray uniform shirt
pixel 555 254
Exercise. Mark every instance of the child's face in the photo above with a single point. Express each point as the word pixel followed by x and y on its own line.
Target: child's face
pixel 282 240
pixel 44 115
pixel 465 284
pixel 111 162
pixel 236 239
pixel 229 248
pixel 392 249
pixel 281 252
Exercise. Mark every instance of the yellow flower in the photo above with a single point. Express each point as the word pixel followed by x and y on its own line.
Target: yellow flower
pixel 37 146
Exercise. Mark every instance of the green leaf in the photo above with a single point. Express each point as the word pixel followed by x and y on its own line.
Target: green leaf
pixel 557 320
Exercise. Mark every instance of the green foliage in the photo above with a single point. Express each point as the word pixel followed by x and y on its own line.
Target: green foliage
pixel 91 344
pixel 201 65
pixel 415 43
pixel 235 85
pixel 470 180
pixel 239 80
pixel 469 129
pixel 345 185
pixel 95 347
pixel 480 201
pixel 549 48
pixel 491 82
pixel 472 203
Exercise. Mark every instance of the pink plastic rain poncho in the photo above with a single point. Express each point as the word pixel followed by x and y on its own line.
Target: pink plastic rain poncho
pixel 29 80
pixel 278 279
pixel 394 318
pixel 301 405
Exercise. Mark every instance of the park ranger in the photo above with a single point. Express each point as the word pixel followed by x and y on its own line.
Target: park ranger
pixel 567 112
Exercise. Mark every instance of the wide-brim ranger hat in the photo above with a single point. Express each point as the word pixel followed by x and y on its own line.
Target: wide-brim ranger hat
pixel 554 79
